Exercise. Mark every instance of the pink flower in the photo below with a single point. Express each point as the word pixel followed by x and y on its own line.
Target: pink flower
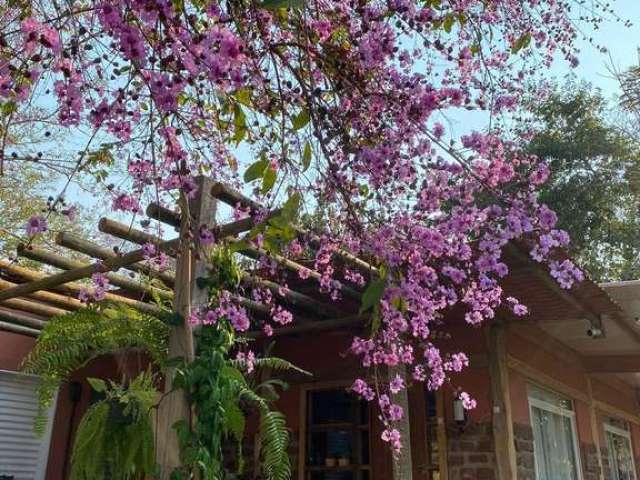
pixel 36 224
pixel 396 384
pixel 468 402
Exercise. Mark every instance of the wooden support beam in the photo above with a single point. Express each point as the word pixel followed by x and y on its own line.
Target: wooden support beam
pixel 21 319
pixel 73 242
pixel 58 261
pixel 163 214
pixel 54 299
pixel 595 431
pixel 232 197
pixel 63 281
pixel 354 322
pixel 403 462
pixel 174 406
pixel 612 363
pixel 33 307
pixel 506 467
pixel 13 328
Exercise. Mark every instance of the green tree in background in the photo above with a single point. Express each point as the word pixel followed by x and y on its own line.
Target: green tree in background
pixel 594 186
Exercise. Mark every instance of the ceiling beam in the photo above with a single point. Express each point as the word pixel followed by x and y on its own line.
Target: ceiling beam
pixel 612 363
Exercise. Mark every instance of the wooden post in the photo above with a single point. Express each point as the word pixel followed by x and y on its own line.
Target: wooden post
pixel 501 420
pixel 595 432
pixel 403 464
pixel 174 406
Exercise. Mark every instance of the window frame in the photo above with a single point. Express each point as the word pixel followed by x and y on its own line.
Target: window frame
pixel 609 428
pixel 570 414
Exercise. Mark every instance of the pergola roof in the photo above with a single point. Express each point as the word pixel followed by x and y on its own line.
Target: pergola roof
pixel 28 298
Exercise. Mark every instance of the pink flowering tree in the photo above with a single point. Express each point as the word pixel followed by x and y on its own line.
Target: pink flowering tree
pixel 336 107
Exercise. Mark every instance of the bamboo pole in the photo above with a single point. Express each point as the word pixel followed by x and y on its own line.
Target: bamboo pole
pixel 21 319
pixel 33 307
pixel 232 198
pixel 13 328
pixel 57 300
pixel 63 281
pixel 170 217
pixel 78 244
pixel 53 259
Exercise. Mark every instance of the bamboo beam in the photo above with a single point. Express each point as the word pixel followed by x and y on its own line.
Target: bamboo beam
pixel 33 307
pixel 81 245
pixel 63 281
pixel 21 319
pixel 163 214
pixel 58 261
pixel 501 420
pixel 294 298
pixel 350 322
pixel 170 217
pixel 13 328
pixel 232 197
pixel 60 301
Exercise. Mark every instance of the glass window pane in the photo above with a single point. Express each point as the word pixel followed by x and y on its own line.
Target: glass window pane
pixel 550 397
pixel 553 446
pixel 331 406
pixel 620 457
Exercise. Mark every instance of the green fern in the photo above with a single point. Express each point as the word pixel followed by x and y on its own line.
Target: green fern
pixel 69 341
pixel 115 437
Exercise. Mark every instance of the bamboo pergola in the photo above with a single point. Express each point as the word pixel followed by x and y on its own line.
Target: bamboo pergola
pixel 28 298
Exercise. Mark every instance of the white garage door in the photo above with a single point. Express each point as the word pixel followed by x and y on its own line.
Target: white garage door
pixel 23 455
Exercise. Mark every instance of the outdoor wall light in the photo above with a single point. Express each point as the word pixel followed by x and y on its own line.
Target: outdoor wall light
pixel 459 413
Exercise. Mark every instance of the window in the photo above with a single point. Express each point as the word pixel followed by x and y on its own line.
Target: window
pixel 620 452
pixel 554 436
pixel 23 455
pixel 337 436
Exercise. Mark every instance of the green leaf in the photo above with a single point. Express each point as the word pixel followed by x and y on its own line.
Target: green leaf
pixel 277 4
pixel 373 294
pixel 234 419
pixel 301 119
pixel 268 180
pixel 291 207
pixel 243 95
pixel 9 107
pixel 306 157
pixel 256 170
pixel 522 42
pixel 97 384
pixel 448 23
